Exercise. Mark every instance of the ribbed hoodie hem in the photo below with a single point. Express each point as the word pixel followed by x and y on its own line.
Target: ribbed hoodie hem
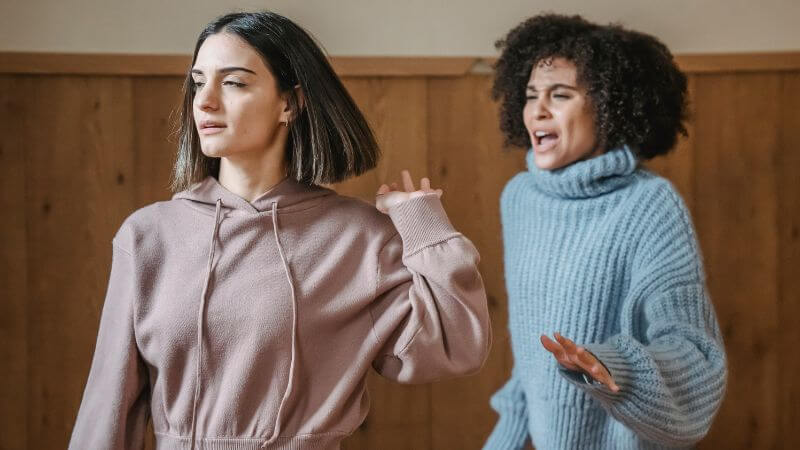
pixel 330 441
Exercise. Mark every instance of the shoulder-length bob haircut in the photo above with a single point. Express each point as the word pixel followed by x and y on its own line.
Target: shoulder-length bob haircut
pixel 329 139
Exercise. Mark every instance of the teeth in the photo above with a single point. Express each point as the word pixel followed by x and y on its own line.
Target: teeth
pixel 541 133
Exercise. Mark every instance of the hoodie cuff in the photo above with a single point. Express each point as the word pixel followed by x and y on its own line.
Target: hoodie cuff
pixel 421 222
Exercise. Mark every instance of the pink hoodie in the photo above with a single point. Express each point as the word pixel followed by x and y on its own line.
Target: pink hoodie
pixel 240 325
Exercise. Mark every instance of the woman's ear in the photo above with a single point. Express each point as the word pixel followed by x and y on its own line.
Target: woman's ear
pixel 295 101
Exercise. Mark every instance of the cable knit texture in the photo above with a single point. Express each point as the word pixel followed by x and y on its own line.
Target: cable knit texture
pixel 604 252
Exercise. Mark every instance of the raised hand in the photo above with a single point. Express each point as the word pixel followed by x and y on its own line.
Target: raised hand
pixel 574 357
pixel 391 195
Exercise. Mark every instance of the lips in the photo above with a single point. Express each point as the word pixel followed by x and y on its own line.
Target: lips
pixel 211 127
pixel 544 140
pixel 211 124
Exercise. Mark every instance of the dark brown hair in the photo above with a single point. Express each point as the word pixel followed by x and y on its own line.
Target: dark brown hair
pixel 637 93
pixel 329 139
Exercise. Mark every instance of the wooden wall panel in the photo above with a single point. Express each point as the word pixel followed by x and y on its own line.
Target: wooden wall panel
pixel 736 215
pixel 787 166
pixel 156 109
pixel 81 152
pixel 395 108
pixel 14 298
pixel 468 161
pixel 77 130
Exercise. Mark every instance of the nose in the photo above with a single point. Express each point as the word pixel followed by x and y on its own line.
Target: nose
pixel 207 98
pixel 540 108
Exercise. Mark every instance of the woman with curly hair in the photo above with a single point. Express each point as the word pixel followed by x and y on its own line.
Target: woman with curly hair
pixel 598 251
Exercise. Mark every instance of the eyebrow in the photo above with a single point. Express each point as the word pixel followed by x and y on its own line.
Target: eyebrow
pixel 227 70
pixel 552 86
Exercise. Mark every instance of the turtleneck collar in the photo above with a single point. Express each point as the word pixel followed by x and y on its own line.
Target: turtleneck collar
pixel 588 178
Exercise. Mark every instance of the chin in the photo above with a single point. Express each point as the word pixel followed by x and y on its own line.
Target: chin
pixel 214 152
pixel 547 162
pixel 214 148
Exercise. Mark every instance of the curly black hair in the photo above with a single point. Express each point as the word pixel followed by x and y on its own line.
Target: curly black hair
pixel 637 93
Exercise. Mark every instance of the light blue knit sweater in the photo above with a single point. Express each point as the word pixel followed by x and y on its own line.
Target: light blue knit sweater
pixel 604 252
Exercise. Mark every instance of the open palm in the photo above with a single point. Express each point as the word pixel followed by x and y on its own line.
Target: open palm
pixel 390 195
pixel 574 357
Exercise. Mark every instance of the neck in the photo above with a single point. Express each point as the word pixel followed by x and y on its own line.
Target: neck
pixel 249 176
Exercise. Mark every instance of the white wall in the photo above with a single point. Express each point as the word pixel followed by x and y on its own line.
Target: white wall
pixel 391 27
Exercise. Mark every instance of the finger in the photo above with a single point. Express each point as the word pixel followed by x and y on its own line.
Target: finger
pixel 439 192
pixel 588 362
pixel 608 382
pixel 408 183
pixel 566 343
pixel 552 347
pixel 425 184
pixel 383 189
pixel 596 369
pixel 558 352
pixel 394 187
pixel 573 357
pixel 585 357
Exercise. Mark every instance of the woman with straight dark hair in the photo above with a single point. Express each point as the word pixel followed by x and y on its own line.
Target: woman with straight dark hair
pixel 246 312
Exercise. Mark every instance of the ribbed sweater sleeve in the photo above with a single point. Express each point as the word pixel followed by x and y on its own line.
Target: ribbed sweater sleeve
pixel 511 430
pixel 114 409
pixel 672 378
pixel 430 313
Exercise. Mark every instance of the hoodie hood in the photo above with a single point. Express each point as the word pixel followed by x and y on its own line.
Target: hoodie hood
pixel 289 194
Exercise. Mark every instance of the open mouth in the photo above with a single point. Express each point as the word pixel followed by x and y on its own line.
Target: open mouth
pixel 544 140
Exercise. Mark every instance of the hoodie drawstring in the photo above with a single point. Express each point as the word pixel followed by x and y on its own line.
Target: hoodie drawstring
pixel 200 315
pixel 290 384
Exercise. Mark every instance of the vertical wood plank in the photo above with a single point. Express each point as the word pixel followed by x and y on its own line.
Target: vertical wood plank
pixel 787 167
pixel 79 132
pixel 55 172
pixel 467 160
pixel 13 265
pixel 156 110
pixel 736 209
pixel 396 109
